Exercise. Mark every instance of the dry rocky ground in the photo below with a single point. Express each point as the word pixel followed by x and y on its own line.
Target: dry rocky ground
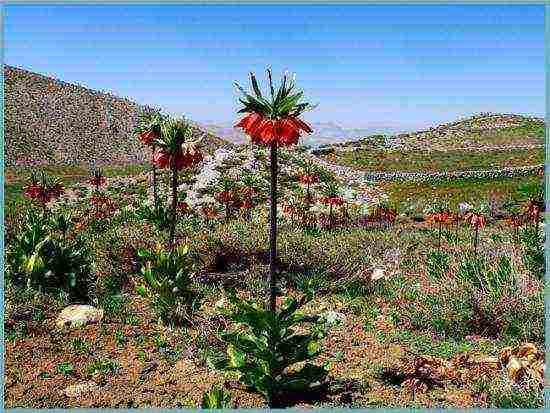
pixel 128 359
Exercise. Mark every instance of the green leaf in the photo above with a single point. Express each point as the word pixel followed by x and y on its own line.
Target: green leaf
pixel 236 357
pixel 255 85
pixel 72 279
pixel 306 379
pixel 141 290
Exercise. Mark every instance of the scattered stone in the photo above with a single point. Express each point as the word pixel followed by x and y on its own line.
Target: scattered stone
pixel 377 274
pixel 79 389
pixel 334 317
pixel 75 316
pixel 524 360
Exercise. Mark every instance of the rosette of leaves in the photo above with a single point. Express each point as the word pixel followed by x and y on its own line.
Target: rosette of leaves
pixel 60 264
pixel 265 347
pixel 30 234
pixel 62 222
pixel 167 281
pixel 41 260
pixel 159 216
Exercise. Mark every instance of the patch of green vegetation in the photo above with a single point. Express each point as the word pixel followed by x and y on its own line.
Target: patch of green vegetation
pixel 65 368
pixel 413 197
pixel 79 345
pixel 435 161
pixel 103 366
pixel 113 304
pixel 502 394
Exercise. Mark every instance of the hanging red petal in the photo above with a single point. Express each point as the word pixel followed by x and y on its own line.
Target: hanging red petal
pixel 161 158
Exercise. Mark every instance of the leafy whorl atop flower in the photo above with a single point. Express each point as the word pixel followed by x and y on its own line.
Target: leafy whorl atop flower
pixel 178 145
pixel 98 179
pixel 439 213
pixel 45 189
pixel 149 127
pixel 274 120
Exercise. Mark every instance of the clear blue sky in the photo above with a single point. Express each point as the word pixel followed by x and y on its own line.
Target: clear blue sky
pixel 366 65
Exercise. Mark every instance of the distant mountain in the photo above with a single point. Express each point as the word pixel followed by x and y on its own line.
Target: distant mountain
pixel 323 133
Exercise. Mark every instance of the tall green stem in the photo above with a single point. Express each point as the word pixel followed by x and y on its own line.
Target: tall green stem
pixel 439 238
pixel 475 242
pixel 273 229
pixel 174 204
pixel 155 191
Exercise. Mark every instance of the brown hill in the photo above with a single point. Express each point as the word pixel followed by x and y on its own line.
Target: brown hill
pixel 50 121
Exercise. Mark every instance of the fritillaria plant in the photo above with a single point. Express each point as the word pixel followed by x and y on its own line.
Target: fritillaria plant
pixel 148 132
pixel 477 221
pixel 439 214
pixel 43 190
pixel 272 119
pixel 331 198
pixel 177 149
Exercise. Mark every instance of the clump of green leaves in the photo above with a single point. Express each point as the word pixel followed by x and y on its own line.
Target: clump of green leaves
pixel 159 215
pixel 481 276
pixel 40 258
pixel 65 368
pixel 103 366
pixel 216 398
pixel 167 282
pixel 31 233
pixel 265 347
pixel 532 240
pixel 437 264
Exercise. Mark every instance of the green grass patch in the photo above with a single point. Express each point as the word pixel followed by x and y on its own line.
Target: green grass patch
pixel 436 161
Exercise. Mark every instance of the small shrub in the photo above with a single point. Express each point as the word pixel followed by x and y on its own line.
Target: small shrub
pixel 532 240
pixel 167 282
pixel 482 298
pixel 79 345
pixel 494 280
pixel 502 394
pixel 265 346
pixel 65 368
pixel 113 304
pixel 119 337
pixel 103 367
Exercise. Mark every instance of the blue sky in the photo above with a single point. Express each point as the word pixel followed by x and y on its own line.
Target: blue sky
pixel 403 66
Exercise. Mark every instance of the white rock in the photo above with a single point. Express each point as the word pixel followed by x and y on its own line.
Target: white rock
pixel 75 316
pixel 333 317
pixel 79 389
pixel 377 274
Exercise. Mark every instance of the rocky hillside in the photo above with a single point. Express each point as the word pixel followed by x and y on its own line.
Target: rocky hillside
pixel 480 130
pixel 50 121
pixel 467 130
